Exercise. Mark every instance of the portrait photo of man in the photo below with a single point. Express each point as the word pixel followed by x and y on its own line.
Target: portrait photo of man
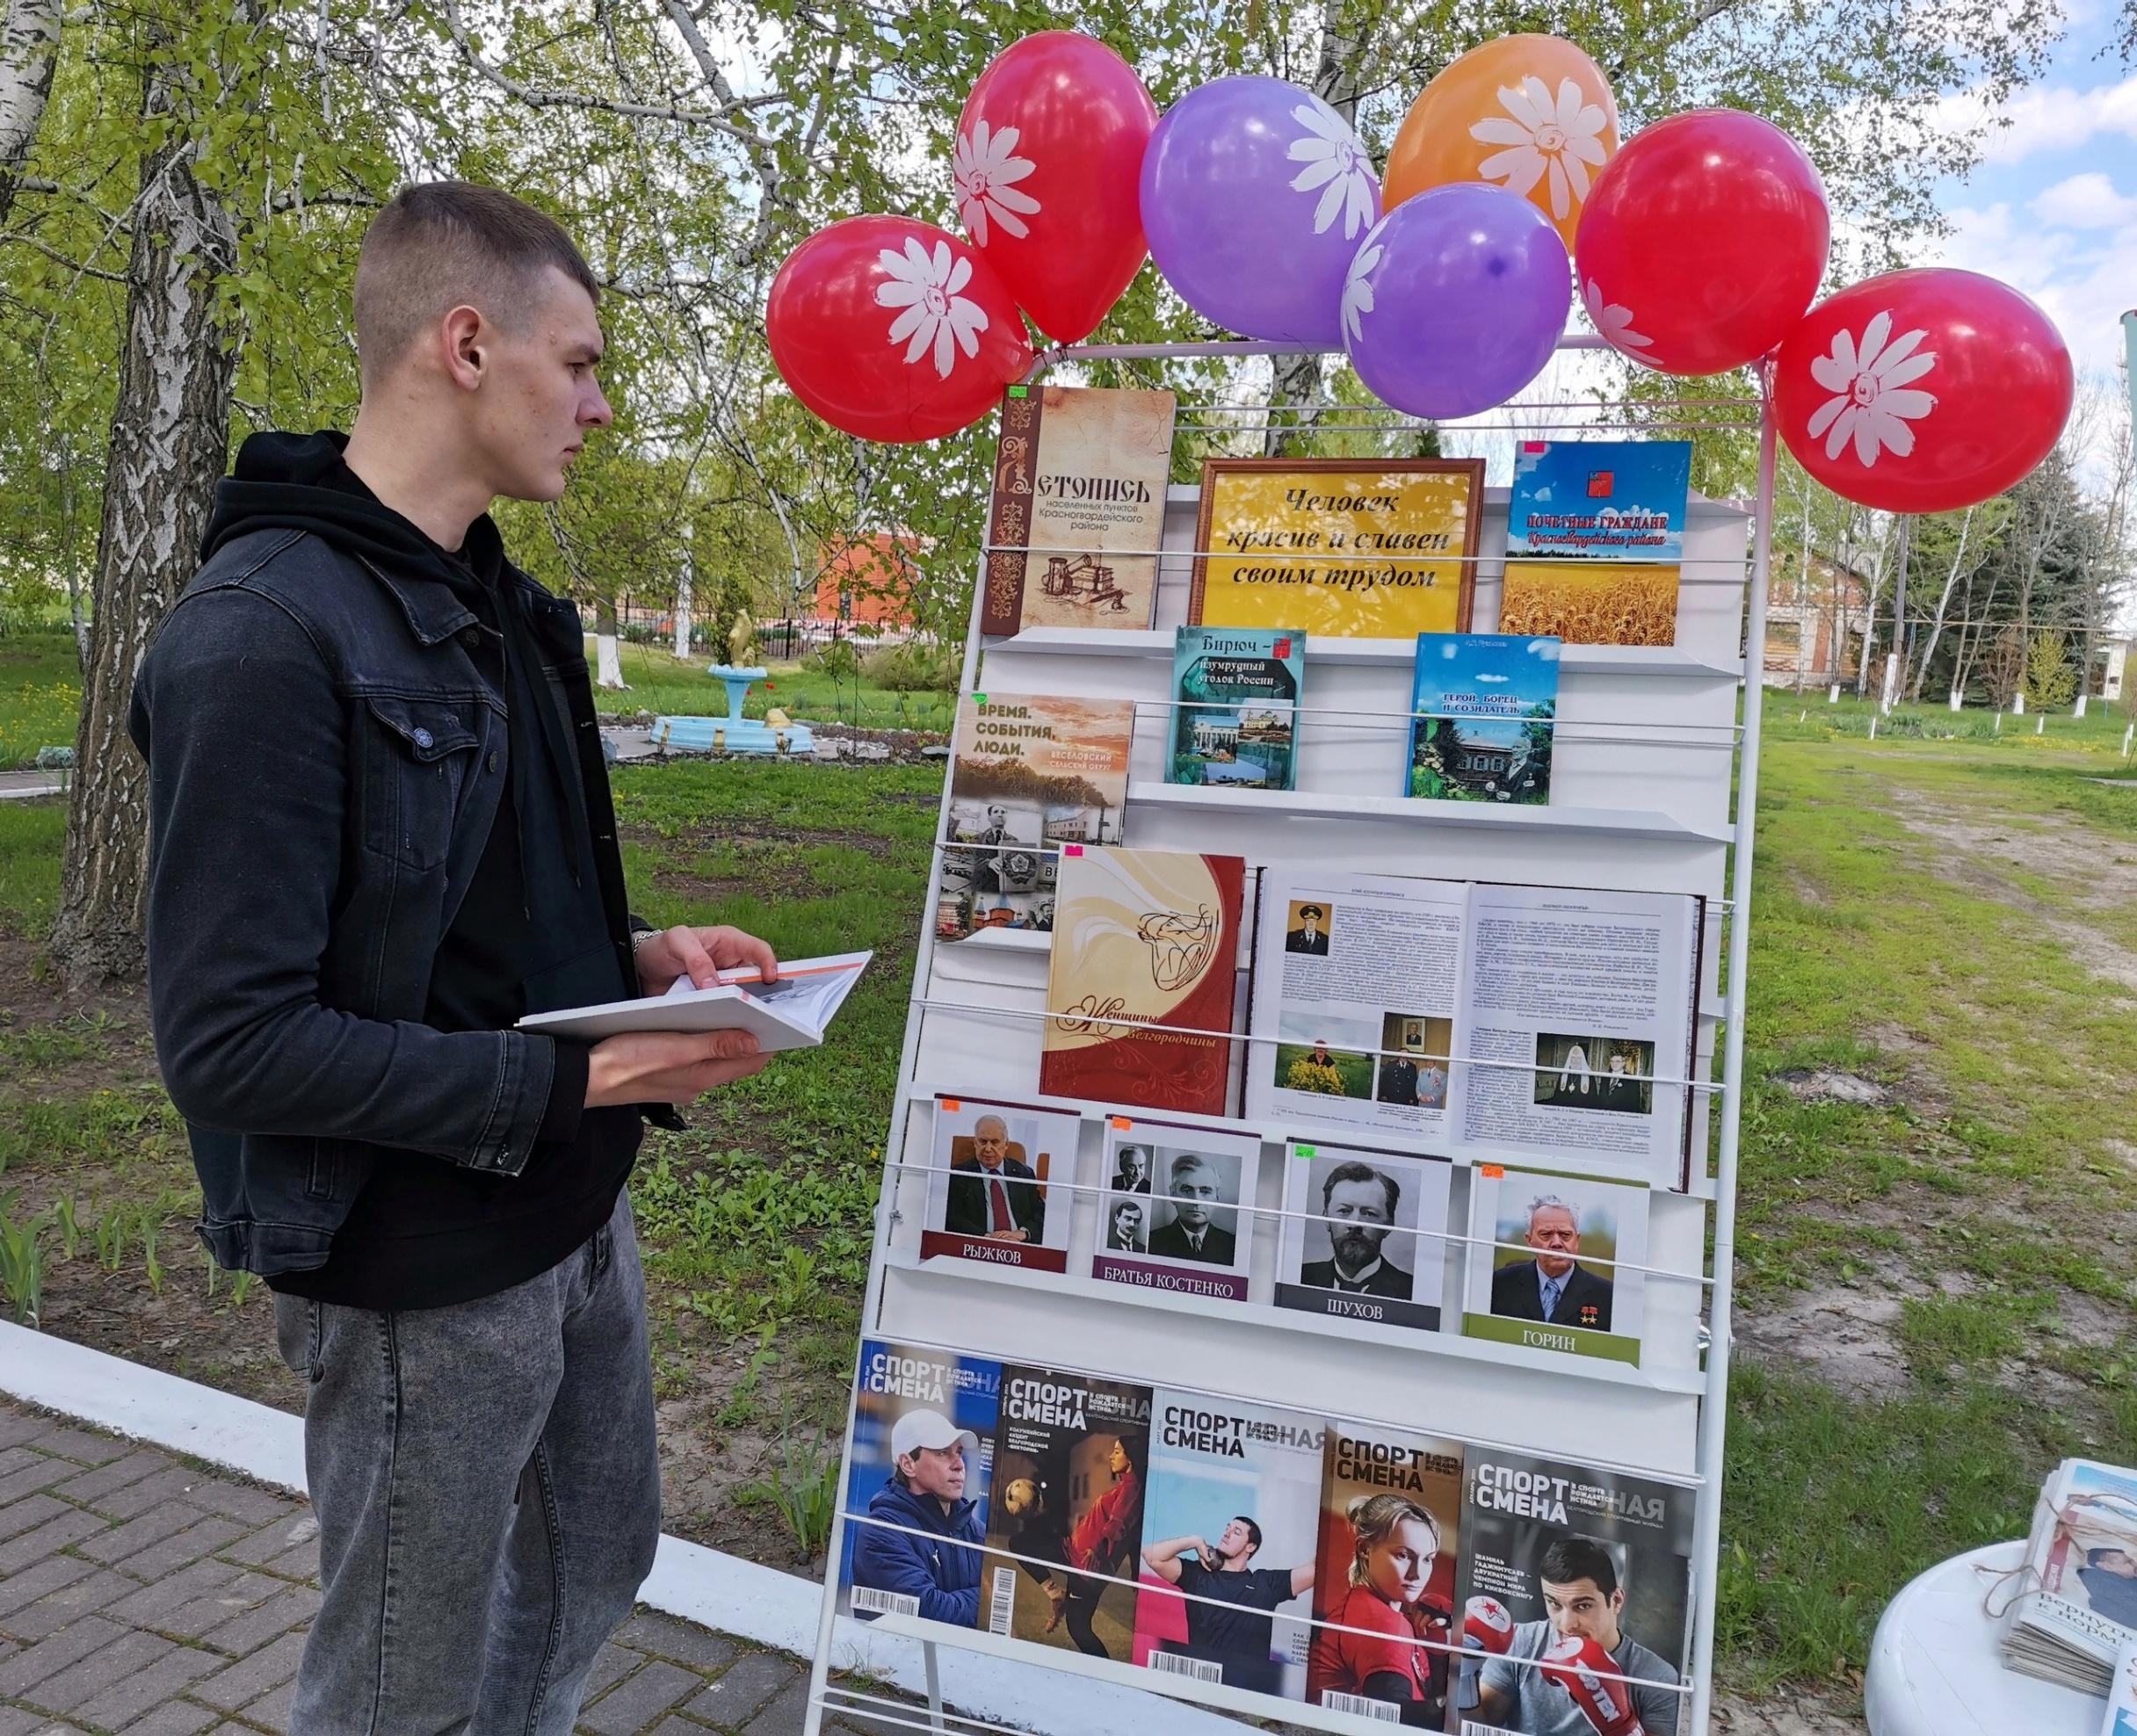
pixel 993 1193
pixel 1124 1227
pixel 1308 930
pixel 1361 1200
pixel 1131 1170
pixel 1193 1234
pixel 1552 1286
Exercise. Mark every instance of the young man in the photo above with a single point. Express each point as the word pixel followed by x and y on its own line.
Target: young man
pixel 381 833
pixel 939 1571
pixel 1580 1647
pixel 1239 1638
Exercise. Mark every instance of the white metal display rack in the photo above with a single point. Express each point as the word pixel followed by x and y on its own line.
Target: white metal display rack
pixel 1653 743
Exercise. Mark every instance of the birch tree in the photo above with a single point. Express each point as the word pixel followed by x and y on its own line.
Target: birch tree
pixel 29 56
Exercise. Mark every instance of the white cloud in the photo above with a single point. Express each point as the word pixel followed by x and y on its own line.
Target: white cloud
pixel 2047 118
pixel 2086 201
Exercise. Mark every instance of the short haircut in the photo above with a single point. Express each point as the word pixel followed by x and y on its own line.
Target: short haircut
pixel 1360 1172
pixel 2092 1556
pixel 1254 1533
pixel 1188 1159
pixel 1001 1126
pixel 1573 1556
pixel 439 244
pixel 1128 1205
pixel 1552 1203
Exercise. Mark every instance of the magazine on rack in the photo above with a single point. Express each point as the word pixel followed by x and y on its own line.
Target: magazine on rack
pixel 1390 1550
pixel 1595 533
pixel 1482 718
pixel 1554 1552
pixel 1143 938
pixel 1363 1235
pixel 1231 1530
pixel 1064 1525
pixel 1079 505
pixel 1235 706
pixel 1487 1020
pixel 1544 1263
pixel 2076 1606
pixel 988 1175
pixel 1170 1217
pixel 936 1410
pixel 1029 773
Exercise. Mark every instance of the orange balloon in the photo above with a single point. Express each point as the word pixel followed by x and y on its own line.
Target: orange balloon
pixel 1532 114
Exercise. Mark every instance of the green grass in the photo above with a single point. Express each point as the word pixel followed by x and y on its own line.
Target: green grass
pixel 664 685
pixel 40 694
pixel 32 833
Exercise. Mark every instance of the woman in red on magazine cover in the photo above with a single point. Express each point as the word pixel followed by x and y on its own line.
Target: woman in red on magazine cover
pixel 1103 1541
pixel 1371 1650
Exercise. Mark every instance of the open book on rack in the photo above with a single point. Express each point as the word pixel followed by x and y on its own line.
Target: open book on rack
pixel 1489 1020
pixel 790 1013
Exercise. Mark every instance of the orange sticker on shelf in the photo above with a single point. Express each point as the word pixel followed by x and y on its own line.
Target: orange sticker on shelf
pixel 1495 1170
pixel 1121 1122
pixel 951 1105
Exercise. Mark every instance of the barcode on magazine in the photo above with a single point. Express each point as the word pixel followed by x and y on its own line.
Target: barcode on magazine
pixel 1003 1605
pixel 868 1600
pixel 1471 1728
pixel 1202 1670
pixel 1384 1712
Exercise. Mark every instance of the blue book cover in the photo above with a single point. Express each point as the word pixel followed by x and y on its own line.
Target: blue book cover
pixel 943 1398
pixel 1483 705
pixel 1235 718
pixel 1595 534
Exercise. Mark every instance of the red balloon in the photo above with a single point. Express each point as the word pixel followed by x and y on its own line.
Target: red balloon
pixel 893 330
pixel 1049 150
pixel 1703 242
pixel 1922 391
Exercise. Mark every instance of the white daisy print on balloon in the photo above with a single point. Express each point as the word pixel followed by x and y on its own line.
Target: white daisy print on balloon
pixel 1874 398
pixel 1358 289
pixel 1337 163
pixel 984 168
pixel 1560 139
pixel 1613 321
pixel 925 285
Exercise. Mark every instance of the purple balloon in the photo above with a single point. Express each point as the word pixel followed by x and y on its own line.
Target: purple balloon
pixel 1456 300
pixel 1255 194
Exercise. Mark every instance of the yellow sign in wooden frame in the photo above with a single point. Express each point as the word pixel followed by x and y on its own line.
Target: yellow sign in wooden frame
pixel 1338 548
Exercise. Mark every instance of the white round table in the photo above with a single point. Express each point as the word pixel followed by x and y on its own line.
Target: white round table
pixel 1936 1669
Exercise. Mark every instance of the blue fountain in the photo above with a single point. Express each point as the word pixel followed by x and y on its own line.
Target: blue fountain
pixel 734 734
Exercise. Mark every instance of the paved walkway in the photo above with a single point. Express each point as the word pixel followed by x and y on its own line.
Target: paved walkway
pixel 138 1593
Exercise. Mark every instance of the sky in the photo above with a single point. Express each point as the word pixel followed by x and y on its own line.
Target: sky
pixel 2052 209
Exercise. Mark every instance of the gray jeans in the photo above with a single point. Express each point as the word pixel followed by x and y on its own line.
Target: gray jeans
pixel 488 1491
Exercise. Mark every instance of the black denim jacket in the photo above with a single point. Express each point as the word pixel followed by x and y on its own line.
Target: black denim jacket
pixel 326 744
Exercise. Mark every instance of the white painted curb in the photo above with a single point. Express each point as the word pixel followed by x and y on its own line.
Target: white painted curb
pixel 715 1590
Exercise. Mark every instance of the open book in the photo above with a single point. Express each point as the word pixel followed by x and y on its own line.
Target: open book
pixel 1509 1022
pixel 791 1013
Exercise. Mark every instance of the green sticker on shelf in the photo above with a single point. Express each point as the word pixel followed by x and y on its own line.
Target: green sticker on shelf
pixel 1020 391
pixel 979 698
pixel 1305 1150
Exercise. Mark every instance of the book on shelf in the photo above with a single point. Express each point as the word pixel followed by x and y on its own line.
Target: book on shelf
pixel 1079 507
pixel 1555 1550
pixel 1362 1237
pixel 1483 710
pixel 2074 1609
pixel 1170 1216
pixel 1543 1270
pixel 1595 540
pixel 1235 705
pixel 1029 773
pixel 790 1012
pixel 1065 1520
pixel 1488 1020
pixel 1143 938
pixel 1230 1534
pixel 1389 1551
pixel 991 1167
pixel 939 1410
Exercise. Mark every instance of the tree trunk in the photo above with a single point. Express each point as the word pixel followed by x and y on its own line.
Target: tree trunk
pixel 609 659
pixel 29 55
pixel 683 623
pixel 170 439
pixel 1943 602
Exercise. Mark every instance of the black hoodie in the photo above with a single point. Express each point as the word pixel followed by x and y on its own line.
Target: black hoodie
pixel 530 935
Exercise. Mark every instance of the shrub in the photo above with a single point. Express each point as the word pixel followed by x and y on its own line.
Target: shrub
pixel 914 667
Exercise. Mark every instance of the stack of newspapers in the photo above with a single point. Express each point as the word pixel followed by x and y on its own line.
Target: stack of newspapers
pixel 2076 1607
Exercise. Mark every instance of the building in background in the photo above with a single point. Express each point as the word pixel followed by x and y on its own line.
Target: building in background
pixel 1815 614
pixel 867 582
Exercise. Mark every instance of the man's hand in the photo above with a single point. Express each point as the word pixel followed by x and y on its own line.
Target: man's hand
pixel 1018 1234
pixel 1487 1625
pixel 700 954
pixel 668 1066
pixel 1573 1664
